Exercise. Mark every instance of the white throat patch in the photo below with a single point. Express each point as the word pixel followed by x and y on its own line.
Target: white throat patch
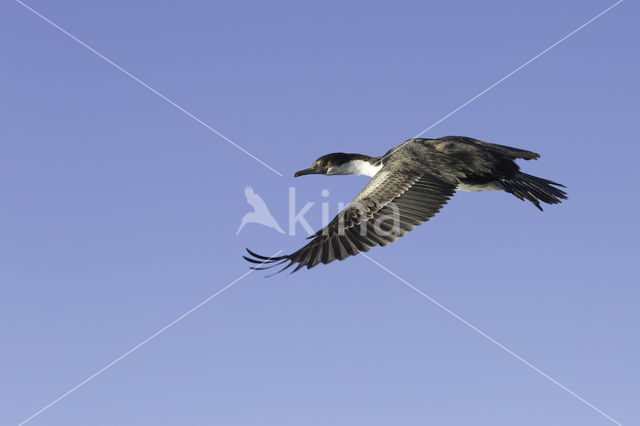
pixel 355 167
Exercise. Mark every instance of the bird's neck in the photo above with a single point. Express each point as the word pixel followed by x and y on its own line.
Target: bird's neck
pixel 359 165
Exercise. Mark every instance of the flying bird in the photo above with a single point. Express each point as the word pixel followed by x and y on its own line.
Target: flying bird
pixel 410 184
pixel 260 213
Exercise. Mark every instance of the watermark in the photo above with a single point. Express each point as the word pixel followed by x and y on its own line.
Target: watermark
pixel 363 217
pixel 260 214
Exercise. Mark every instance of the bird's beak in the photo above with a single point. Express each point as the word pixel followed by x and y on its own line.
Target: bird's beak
pixel 308 171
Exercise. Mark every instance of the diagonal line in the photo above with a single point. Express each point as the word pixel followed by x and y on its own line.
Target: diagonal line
pixel 145 85
pixel 138 346
pixel 519 68
pixel 491 339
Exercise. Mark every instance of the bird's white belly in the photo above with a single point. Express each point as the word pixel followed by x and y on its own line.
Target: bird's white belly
pixel 489 186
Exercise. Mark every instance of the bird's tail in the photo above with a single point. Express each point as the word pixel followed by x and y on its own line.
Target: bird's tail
pixel 534 189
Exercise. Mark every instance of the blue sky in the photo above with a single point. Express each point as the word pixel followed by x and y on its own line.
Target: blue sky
pixel 119 214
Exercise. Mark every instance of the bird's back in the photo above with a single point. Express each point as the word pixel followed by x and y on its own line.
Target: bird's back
pixel 458 158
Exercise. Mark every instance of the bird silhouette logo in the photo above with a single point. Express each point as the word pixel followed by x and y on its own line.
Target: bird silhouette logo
pixel 260 213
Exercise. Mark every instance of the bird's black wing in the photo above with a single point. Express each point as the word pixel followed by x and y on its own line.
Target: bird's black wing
pixel 392 203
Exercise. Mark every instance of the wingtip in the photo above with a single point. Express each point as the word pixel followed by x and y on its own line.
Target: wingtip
pixel 258 256
pixel 261 263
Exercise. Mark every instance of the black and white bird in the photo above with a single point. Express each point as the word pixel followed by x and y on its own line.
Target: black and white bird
pixel 410 184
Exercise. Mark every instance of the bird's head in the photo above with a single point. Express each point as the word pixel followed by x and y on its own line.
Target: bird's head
pixel 339 163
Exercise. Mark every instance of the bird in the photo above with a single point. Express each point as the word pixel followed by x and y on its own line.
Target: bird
pixel 260 213
pixel 409 185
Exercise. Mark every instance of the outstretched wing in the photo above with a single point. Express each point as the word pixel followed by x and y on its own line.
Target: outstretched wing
pixel 391 204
